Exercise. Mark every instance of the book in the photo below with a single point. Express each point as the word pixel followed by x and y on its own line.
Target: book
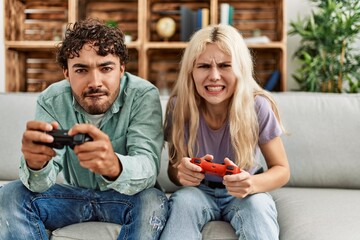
pixel 260 39
pixel 231 15
pixel 187 23
pixel 205 17
pixel 272 80
pixel 224 13
pixel 198 19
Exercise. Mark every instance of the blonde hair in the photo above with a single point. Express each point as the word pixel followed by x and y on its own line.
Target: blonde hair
pixel 184 111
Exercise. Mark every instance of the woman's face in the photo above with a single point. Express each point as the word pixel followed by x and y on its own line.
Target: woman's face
pixel 213 76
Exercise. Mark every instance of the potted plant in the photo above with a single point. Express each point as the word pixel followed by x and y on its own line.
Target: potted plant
pixel 328 60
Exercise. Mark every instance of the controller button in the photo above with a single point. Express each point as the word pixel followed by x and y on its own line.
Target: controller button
pixel 197 161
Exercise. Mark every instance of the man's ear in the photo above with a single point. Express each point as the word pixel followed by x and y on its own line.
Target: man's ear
pixel 122 68
pixel 66 73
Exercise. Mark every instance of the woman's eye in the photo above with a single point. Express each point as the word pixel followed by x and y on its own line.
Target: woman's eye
pixel 203 66
pixel 225 65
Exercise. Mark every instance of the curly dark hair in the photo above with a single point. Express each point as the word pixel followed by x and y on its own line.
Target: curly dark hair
pixel 109 40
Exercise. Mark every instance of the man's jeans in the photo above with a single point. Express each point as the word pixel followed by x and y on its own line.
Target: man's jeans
pixel 27 215
pixel 253 217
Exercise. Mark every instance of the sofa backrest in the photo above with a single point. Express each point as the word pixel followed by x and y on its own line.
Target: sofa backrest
pixel 323 145
pixel 15 110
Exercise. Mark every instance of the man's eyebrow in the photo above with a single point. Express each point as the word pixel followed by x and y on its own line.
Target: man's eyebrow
pixel 80 65
pixel 106 63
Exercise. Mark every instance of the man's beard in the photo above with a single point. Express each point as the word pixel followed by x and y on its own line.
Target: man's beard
pixel 93 105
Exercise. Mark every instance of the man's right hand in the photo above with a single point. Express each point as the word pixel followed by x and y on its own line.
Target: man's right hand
pixel 37 155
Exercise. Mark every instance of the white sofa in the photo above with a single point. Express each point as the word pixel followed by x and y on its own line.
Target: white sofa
pixel 321 200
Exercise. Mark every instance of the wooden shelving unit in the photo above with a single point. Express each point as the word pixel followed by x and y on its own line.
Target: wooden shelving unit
pixel 34 27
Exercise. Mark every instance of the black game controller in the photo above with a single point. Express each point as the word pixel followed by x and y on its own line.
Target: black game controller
pixel 62 138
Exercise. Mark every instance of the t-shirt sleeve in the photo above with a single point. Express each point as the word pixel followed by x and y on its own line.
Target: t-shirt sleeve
pixel 269 127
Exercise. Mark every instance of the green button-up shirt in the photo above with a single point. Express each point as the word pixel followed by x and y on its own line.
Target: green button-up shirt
pixel 133 124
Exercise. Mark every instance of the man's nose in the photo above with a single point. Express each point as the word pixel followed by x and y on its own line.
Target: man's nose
pixel 94 80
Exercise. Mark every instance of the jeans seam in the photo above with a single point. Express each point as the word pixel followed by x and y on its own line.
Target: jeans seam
pixel 241 228
pixel 29 206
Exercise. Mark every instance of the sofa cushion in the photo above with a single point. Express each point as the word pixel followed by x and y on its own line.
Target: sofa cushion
pixel 16 110
pixel 87 231
pixel 323 141
pixel 218 230
pixel 318 214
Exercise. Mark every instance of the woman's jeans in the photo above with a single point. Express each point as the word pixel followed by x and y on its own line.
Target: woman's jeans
pixel 253 217
pixel 27 215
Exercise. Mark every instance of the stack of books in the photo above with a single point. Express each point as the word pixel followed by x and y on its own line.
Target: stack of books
pixel 191 21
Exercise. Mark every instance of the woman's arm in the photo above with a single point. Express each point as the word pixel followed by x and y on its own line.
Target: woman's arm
pixel 278 173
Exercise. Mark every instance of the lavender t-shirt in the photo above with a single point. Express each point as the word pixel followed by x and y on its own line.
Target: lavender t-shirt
pixel 217 142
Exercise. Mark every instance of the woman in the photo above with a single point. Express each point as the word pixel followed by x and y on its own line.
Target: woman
pixel 217 111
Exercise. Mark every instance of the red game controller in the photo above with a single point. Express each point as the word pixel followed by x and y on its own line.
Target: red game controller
pixel 215 168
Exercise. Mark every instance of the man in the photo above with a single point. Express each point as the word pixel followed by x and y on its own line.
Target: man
pixel 110 178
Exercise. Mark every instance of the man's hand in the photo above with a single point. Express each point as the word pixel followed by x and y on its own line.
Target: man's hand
pixel 37 155
pixel 98 155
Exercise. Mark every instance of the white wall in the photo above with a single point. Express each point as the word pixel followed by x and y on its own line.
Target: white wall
pixel 2 49
pixel 293 8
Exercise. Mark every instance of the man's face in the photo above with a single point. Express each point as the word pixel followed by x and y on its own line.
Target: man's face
pixel 94 79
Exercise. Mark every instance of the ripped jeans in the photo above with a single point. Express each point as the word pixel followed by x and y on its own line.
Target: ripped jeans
pixel 27 215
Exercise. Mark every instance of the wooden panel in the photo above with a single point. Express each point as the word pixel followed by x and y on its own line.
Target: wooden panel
pixel 44 20
pixel 14 19
pixel 124 13
pixel 250 15
pixel 164 67
pixel 133 65
pixel 16 74
pixel 41 70
pixel 266 61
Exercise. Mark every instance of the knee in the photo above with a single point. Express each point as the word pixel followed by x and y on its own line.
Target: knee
pixel 154 205
pixel 153 198
pixel 12 194
pixel 187 198
pixel 260 204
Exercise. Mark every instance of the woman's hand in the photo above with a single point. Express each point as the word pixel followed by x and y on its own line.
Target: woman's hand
pixel 238 185
pixel 189 174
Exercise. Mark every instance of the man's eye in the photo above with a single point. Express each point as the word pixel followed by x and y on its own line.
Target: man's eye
pixel 106 69
pixel 80 70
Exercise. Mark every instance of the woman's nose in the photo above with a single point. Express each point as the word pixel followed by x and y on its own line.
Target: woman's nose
pixel 214 74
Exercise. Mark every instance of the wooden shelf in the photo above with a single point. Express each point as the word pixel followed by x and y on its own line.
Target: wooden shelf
pixel 32 29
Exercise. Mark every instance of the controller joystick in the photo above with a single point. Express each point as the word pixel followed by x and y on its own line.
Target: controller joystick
pixel 62 138
pixel 216 168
